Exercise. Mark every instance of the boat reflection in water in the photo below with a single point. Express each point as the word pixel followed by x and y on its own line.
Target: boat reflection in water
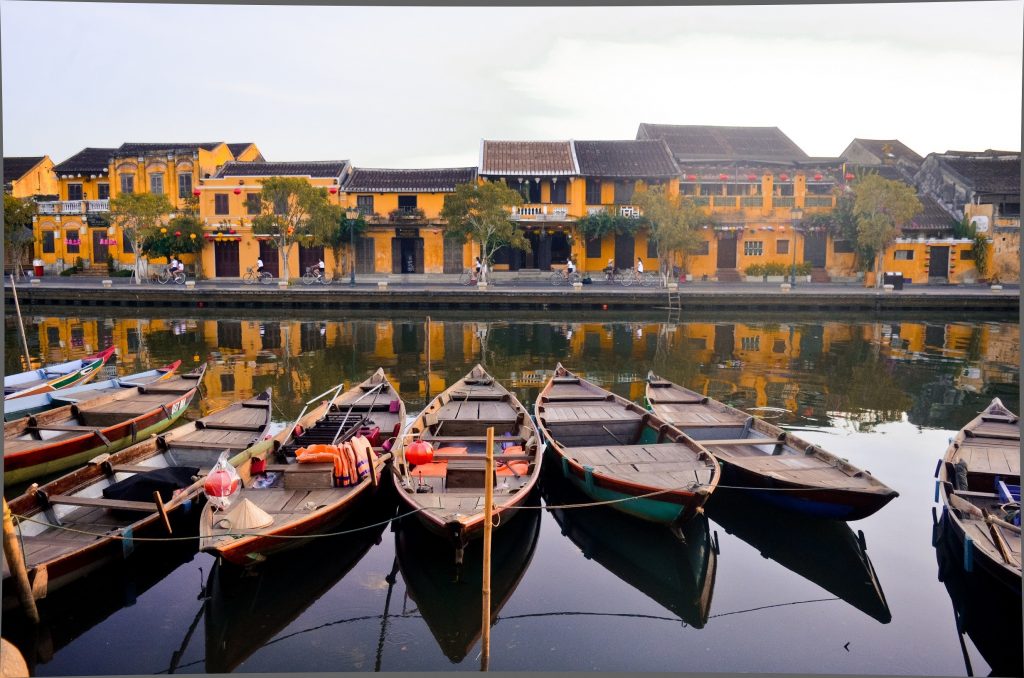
pixel 984 608
pixel 448 596
pixel 678 576
pixel 825 552
pixel 77 608
pixel 247 608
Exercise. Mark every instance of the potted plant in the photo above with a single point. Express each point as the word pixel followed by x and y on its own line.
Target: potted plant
pixel 755 273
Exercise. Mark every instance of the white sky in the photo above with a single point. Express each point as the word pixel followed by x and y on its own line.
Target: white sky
pixel 419 87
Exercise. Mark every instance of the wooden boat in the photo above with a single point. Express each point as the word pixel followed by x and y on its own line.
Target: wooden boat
pixel 301 498
pixel 614 450
pixel 982 608
pixel 449 595
pixel 55 377
pixel 113 495
pixel 754 453
pixel 71 435
pixel 823 551
pixel 245 610
pixel 41 402
pixel 979 486
pixel 448 493
pixel 679 576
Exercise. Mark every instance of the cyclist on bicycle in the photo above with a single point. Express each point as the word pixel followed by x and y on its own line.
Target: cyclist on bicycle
pixel 477 266
pixel 609 269
pixel 259 266
pixel 639 266
pixel 175 266
pixel 570 268
pixel 321 268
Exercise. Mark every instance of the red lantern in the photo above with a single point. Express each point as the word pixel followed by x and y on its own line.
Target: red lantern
pixel 751 177
pixel 220 483
pixel 850 176
pixel 231 231
pixel 419 452
pixel 784 177
pixel 196 192
pixel 691 177
pixel 817 177
pixel 332 190
pixel 237 191
pixel 177 234
pixel 723 177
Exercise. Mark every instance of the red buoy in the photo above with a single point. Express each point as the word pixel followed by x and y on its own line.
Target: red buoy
pixel 419 452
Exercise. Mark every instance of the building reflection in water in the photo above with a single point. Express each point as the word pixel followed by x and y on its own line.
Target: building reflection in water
pixel 800 374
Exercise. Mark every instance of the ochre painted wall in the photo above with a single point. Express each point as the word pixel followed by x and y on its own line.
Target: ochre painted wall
pixel 40 180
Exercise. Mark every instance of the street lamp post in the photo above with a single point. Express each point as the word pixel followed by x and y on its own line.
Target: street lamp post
pixel 795 214
pixel 350 216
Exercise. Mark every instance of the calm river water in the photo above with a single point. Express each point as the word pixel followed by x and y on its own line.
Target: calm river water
pixel 752 590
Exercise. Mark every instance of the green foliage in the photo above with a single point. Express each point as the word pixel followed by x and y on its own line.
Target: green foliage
pixel 175 238
pixel 305 214
pixel 774 268
pixel 339 231
pixel 481 212
pixel 882 207
pixel 140 216
pixel 754 270
pixel 18 236
pixel 964 229
pixel 979 248
pixel 596 226
pixel 674 221
pixel 803 268
pixel 68 271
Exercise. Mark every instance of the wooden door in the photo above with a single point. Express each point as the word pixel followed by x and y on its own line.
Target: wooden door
pixel 225 259
pixel 726 250
pixel 453 249
pixel 100 251
pixel 814 249
pixel 625 249
pixel 309 257
pixel 271 260
pixel 938 262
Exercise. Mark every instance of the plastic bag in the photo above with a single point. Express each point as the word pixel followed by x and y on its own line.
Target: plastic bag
pixel 222 484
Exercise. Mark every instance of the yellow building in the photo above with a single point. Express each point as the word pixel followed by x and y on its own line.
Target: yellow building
pixel 25 177
pixel 75 225
pixel 403 210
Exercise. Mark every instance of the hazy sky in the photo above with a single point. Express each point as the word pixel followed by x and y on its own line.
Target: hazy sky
pixel 419 87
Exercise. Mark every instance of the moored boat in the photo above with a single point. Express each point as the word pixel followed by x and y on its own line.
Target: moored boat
pixel 80 521
pixel 790 471
pixel 55 377
pixel 615 451
pixel 322 469
pixel 447 489
pixel 41 402
pixel 71 435
pixel 979 486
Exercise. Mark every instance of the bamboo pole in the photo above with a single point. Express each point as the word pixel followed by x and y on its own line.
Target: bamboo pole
pixel 12 551
pixel 428 358
pixel 21 326
pixel 485 655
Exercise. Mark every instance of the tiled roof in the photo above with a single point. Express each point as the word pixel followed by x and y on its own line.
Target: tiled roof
pixel 312 168
pixel 712 142
pixel 988 175
pixel 932 218
pixel 88 160
pixel 527 158
pixel 897 150
pixel 16 167
pixel 132 148
pixel 644 158
pixel 238 148
pixel 408 180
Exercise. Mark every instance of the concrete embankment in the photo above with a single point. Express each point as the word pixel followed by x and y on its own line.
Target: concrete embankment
pixel 699 298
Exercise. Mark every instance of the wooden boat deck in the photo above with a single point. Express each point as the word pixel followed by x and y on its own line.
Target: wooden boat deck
pixel 993 457
pixel 665 465
pixel 285 505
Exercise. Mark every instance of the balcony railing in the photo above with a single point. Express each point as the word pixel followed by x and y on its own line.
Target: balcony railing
pixel 538 212
pixel 752 201
pixel 630 211
pixel 783 201
pixel 407 213
pixel 595 210
pixel 73 207
pixel 818 201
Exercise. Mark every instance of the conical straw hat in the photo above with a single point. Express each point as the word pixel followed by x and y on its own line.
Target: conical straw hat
pixel 247 516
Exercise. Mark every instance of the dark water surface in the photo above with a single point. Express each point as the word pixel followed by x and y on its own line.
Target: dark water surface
pixel 752 590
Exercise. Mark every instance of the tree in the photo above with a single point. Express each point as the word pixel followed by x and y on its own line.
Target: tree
pixel 882 206
pixel 481 212
pixel 18 238
pixel 338 232
pixel 291 209
pixel 599 224
pixel 675 223
pixel 140 217
pixel 841 224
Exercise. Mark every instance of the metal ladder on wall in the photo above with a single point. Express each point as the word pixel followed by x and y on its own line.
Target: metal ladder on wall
pixel 675 306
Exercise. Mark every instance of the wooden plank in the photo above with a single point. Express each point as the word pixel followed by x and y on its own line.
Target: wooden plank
pixel 739 441
pixel 146 506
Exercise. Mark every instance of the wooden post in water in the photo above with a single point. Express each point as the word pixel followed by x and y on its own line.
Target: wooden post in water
pixel 12 551
pixel 485 637
pixel 428 359
pixel 21 326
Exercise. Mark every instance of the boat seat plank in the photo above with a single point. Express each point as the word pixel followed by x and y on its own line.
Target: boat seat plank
pixel 590 413
pixel 134 468
pixel 146 506
pixel 201 445
pixel 255 428
pixel 739 441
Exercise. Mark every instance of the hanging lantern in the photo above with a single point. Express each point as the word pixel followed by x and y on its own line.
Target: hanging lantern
pixel 751 177
pixel 291 229
pixel 231 231
pixel 817 177
pixel 196 192
pixel 723 177
pixel 192 236
pixel 112 230
pixel 691 177
pixel 850 176
pixel 177 234
pixel 163 230
pixel 784 177
pixel 332 190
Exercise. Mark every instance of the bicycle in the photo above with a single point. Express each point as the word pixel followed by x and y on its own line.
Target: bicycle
pixel 313 275
pixel 645 279
pixel 560 278
pixel 468 277
pixel 612 276
pixel 251 277
pixel 166 275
